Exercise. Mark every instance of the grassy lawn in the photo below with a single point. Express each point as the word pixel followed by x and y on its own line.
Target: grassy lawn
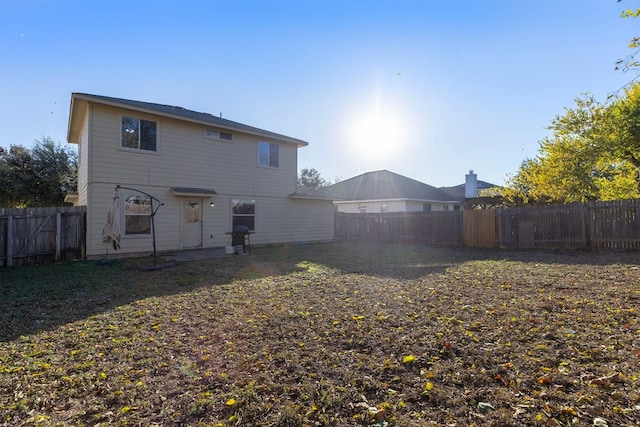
pixel 344 334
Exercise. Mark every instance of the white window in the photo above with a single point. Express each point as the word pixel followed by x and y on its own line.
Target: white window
pixel 243 213
pixel 139 134
pixel 137 214
pixel 268 155
pixel 214 134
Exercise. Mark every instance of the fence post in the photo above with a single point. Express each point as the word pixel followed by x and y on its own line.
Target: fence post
pixel 587 226
pixel 10 240
pixel 58 236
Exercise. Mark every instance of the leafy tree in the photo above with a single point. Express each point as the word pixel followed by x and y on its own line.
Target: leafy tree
pixel 41 176
pixel 624 127
pixel 310 177
pixel 593 154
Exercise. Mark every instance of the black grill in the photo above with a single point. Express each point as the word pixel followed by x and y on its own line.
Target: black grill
pixel 240 238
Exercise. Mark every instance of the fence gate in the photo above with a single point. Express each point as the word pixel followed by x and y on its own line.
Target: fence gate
pixel 478 228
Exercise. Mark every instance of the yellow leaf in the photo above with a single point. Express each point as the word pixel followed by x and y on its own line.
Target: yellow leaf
pixel 428 386
pixel 409 359
pixel 231 402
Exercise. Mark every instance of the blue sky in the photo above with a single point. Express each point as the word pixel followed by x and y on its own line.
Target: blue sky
pixel 426 89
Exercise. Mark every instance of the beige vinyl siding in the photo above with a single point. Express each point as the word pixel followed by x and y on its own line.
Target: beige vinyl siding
pixel 167 221
pixel 185 158
pixel 83 163
pixel 293 220
pixel 278 220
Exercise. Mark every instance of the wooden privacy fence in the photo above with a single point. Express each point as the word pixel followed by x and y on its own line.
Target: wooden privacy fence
pixel 440 228
pixel 41 235
pixel 597 225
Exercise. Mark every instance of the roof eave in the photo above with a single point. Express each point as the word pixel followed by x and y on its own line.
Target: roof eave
pixel 114 103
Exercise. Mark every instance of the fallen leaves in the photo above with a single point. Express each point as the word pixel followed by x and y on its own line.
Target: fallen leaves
pixel 341 334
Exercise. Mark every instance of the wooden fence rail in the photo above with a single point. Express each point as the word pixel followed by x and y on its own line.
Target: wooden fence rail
pixel 41 235
pixel 597 225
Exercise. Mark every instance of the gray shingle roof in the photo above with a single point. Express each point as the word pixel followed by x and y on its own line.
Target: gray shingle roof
pixel 385 185
pixel 184 114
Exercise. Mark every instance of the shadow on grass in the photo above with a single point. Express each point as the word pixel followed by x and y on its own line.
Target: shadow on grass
pixel 38 298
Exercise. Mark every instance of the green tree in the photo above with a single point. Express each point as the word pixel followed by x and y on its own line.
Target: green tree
pixel 593 154
pixel 624 127
pixel 310 177
pixel 41 176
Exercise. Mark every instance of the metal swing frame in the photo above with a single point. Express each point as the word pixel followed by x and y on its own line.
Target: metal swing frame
pixel 153 214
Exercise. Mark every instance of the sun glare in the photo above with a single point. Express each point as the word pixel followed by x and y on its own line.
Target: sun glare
pixel 376 134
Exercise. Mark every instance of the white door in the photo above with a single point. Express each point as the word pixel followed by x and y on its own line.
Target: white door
pixel 192 223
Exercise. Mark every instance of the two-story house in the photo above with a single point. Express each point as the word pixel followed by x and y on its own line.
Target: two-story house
pixel 209 174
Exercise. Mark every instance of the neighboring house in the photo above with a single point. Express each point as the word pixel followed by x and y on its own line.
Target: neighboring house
pixel 475 192
pixel 471 188
pixel 385 191
pixel 209 173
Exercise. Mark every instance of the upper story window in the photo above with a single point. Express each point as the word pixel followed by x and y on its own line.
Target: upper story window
pixel 139 134
pixel 268 155
pixel 214 134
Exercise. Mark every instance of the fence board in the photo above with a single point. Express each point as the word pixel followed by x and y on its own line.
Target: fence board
pixel 611 225
pixel 41 235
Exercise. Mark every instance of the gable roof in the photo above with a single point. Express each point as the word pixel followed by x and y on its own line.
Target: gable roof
pixel 386 185
pixel 80 100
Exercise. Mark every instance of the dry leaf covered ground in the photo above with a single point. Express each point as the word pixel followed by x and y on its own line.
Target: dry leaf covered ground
pixel 344 334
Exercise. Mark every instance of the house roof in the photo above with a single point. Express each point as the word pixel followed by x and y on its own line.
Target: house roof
pixel 458 190
pixel 386 185
pixel 79 101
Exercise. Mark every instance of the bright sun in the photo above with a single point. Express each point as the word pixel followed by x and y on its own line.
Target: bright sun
pixel 376 134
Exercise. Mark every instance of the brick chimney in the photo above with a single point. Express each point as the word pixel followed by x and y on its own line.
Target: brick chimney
pixel 471 185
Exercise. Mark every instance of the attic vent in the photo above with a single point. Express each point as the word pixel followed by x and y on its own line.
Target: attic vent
pixel 214 134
